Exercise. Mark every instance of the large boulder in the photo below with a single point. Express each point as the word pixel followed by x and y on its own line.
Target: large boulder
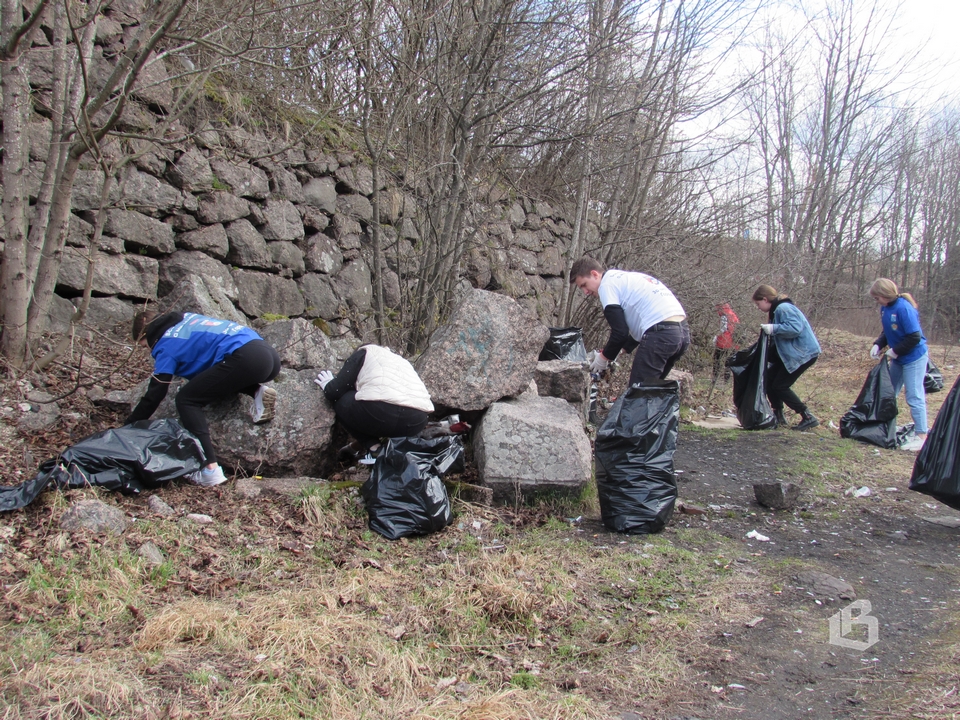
pixel 296 442
pixel 486 351
pixel 530 446
pixel 301 344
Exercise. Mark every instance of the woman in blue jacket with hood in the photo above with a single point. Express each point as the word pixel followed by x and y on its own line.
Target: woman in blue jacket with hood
pixel 795 348
pixel 907 353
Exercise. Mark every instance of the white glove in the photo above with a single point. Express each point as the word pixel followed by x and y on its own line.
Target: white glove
pixel 891 354
pixel 875 352
pixel 767 328
pixel 599 363
pixel 323 377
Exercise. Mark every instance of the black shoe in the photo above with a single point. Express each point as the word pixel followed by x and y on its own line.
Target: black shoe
pixel 807 422
pixel 781 420
pixel 350 452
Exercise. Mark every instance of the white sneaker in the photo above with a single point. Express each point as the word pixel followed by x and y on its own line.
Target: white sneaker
pixel 264 403
pixel 914 444
pixel 207 478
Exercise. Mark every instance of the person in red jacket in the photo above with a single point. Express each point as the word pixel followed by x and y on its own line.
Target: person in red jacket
pixel 723 344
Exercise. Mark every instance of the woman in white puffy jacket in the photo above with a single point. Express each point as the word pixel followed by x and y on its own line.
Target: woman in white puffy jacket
pixel 377 394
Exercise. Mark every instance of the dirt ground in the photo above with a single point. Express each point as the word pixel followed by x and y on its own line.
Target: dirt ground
pixel 903 564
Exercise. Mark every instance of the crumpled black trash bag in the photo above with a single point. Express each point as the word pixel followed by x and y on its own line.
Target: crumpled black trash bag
pixel 749 392
pixel 564 344
pixel 443 454
pixel 932 379
pixel 873 417
pixel 936 471
pixel 133 458
pixel 404 494
pixel 636 484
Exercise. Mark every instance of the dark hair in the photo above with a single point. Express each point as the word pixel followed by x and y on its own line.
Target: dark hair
pixel 583 267
pixel 140 322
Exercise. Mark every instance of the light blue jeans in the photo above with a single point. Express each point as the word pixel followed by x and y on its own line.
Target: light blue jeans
pixel 910 377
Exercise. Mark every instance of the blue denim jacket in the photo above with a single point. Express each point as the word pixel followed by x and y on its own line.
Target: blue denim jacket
pixel 793 336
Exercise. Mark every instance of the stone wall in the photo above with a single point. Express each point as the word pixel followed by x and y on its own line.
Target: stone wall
pixel 201 228
pixel 235 223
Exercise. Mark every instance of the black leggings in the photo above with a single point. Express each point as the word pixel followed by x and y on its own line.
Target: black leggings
pixel 779 384
pixel 242 371
pixel 370 420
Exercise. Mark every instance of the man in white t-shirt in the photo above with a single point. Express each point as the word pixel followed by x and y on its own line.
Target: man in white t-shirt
pixel 642 314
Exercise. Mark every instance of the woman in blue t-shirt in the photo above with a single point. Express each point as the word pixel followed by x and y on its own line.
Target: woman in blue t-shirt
pixel 220 358
pixel 907 353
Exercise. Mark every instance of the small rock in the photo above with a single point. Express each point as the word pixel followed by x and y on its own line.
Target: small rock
pixel 945 520
pixel 95 516
pixel 820 583
pixel 151 553
pixel 200 518
pixel 159 507
pixel 691 509
pixel 777 495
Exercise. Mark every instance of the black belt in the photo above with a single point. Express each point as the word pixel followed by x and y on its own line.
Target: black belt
pixel 666 325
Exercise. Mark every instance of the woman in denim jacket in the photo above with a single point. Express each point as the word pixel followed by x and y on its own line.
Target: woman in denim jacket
pixel 795 348
pixel 907 353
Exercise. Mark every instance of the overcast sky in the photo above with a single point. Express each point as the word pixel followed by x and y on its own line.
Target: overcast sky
pixel 935 24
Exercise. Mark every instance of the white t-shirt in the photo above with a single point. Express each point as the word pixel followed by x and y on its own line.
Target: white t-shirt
pixel 644 299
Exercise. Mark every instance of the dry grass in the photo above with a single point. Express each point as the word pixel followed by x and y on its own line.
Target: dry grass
pixel 554 626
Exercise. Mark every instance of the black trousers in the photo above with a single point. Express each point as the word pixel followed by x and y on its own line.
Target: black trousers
pixel 242 371
pixel 659 349
pixel 779 384
pixel 370 420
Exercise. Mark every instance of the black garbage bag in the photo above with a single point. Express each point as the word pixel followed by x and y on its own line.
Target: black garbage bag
pixel 443 454
pixel 749 394
pixel 873 417
pixel 932 379
pixel 634 450
pixel 564 344
pixel 132 458
pixel 404 494
pixel 936 471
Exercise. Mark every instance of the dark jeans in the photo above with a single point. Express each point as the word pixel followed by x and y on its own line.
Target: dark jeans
pixel 242 371
pixel 370 420
pixel 779 384
pixel 659 349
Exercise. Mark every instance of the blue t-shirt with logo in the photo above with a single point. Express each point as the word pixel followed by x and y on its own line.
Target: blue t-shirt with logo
pixel 900 319
pixel 197 343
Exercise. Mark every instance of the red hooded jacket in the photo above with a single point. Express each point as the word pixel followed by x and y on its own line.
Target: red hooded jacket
pixel 728 321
